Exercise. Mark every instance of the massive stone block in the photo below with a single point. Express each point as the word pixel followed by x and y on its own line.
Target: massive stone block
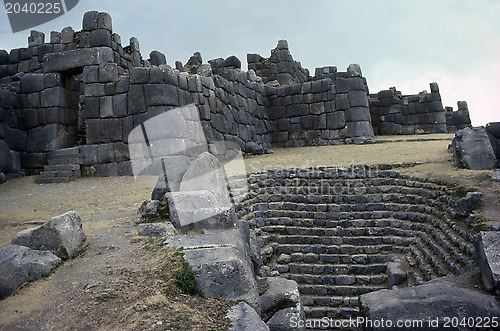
pixel 243 318
pixel 438 299
pixel 62 235
pixel 487 246
pixel 79 58
pixel 50 137
pixel 20 264
pixel 472 149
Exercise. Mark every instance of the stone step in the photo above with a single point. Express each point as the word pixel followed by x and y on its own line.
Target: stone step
pixel 344 249
pixel 337 269
pixel 62 167
pixel 337 279
pixel 54 180
pixel 331 312
pixel 334 258
pixel 65 151
pixel 338 290
pixel 330 301
pixel 69 159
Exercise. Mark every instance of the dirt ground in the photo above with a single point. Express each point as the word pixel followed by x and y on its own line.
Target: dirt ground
pixel 123 281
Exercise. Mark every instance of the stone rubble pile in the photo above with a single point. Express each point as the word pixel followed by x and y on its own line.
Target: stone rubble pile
pixel 35 252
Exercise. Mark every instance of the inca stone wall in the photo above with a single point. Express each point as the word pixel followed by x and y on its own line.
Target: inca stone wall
pixel 395 113
pixel 85 89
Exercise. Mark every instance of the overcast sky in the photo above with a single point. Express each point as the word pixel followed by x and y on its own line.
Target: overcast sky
pixel 401 43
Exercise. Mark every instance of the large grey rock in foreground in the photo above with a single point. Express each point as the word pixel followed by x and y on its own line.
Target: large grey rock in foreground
pixel 222 272
pixel 243 318
pixel 438 299
pixel 487 246
pixel 221 262
pixel 280 303
pixel 281 293
pixel 472 149
pixel 19 264
pixel 62 235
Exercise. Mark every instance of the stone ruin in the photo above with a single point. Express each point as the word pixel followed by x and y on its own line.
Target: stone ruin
pixel 321 244
pixel 68 105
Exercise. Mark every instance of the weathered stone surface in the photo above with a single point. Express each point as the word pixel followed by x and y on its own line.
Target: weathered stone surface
pixel 243 318
pixel 395 273
pixel 157 58
pixel 157 229
pixel 494 129
pixel 205 173
pixel 436 299
pixel 62 235
pixel 472 149
pixel 284 319
pixel 5 158
pixel 20 264
pixel 494 176
pixel 63 61
pixel 149 208
pixel 280 294
pixel 467 204
pixel 487 245
pixel 195 209
pixel 223 273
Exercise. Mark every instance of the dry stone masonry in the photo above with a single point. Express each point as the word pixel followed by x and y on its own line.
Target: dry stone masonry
pixel 344 232
pixel 82 93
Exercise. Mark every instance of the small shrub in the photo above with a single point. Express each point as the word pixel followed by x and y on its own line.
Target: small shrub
pixel 186 279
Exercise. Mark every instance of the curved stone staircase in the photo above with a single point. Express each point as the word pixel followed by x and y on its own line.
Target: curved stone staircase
pixel 335 230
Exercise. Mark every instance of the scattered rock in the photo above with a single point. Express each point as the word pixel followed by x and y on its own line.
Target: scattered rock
pixel 281 294
pixel 62 235
pixel 92 285
pixel 467 204
pixel 472 149
pixel 487 246
pixel 140 307
pixel 243 318
pixel 494 176
pixel 282 320
pixel 395 273
pixel 157 229
pixel 433 300
pixel 495 227
pixel 20 264
pixel 149 208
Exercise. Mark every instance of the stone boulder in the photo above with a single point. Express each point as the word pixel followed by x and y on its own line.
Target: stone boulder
pixel 149 209
pixel 20 264
pixel 467 204
pixel 487 245
pixel 493 130
pixel 157 229
pixel 223 273
pixel 222 262
pixel 428 303
pixel 395 274
pixel 280 302
pixel 472 149
pixel 494 176
pixel 243 318
pixel 62 235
